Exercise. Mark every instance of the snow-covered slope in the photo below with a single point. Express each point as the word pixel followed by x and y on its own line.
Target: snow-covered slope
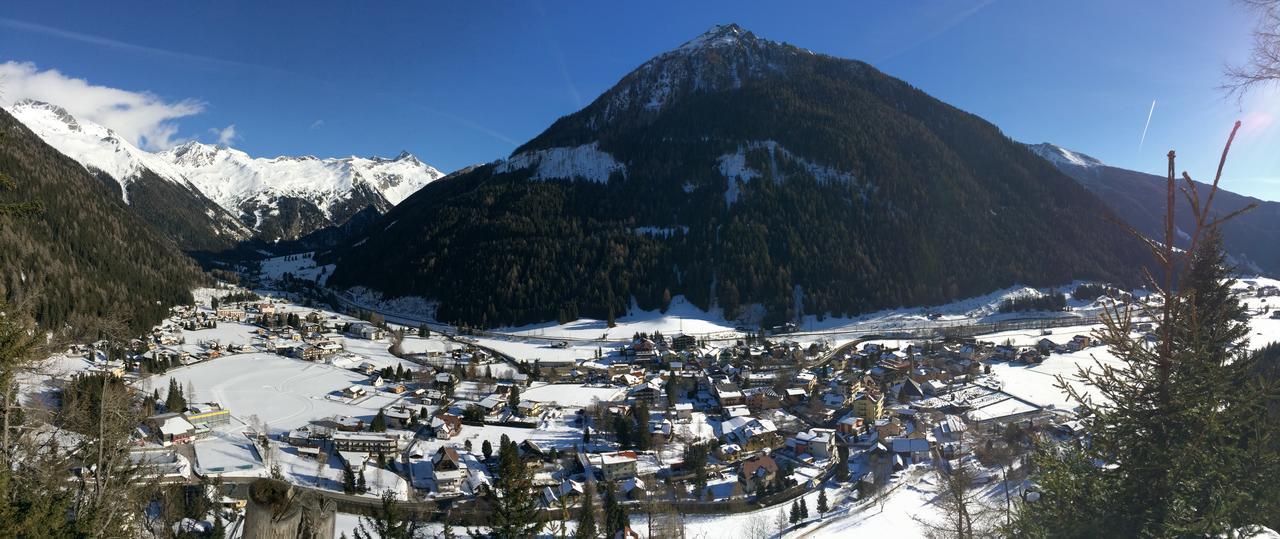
pixel 1060 156
pixel 154 189
pixel 96 147
pixel 231 177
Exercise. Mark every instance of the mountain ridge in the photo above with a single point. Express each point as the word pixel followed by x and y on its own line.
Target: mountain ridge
pixel 1139 199
pixel 801 182
pixel 272 199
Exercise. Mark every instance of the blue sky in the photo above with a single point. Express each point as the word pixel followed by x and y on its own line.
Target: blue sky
pixel 464 82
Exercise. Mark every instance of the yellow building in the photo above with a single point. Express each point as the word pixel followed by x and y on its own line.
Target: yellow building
pixel 868 406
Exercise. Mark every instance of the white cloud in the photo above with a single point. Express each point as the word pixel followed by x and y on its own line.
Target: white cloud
pixel 226 135
pixel 317 124
pixel 141 117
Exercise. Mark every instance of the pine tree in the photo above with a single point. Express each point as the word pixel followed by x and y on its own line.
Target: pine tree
pixel 361 486
pixel 348 478
pixel 822 502
pixel 587 515
pixel 515 513
pixel 486 449
pixel 615 515
pixel 1178 425
pixel 388 521
pixel 795 512
pixel 804 508
pixel 379 423
pixel 174 401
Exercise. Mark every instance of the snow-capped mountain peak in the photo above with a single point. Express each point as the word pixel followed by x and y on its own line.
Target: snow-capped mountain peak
pixel 720 35
pixel 1061 156
pixel 722 58
pixel 231 177
pixel 254 189
pixel 95 147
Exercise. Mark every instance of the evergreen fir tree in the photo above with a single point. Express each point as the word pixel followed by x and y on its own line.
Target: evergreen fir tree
pixel 515 513
pixel 379 423
pixel 348 479
pixel 174 401
pixel 795 512
pixel 486 449
pixel 587 515
pixel 615 515
pixel 1177 426
pixel 822 502
pixel 361 486
pixel 804 508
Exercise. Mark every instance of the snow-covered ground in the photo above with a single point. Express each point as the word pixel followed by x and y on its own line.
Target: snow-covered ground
pixel 1037 383
pixel 571 394
pixel 283 393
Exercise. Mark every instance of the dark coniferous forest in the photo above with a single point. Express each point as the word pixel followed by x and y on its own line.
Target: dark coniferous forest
pixel 84 253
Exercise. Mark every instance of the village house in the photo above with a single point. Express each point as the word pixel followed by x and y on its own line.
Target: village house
pixel 446 426
pixel 171 428
pixel 365 330
pixel 728 394
pixel 398 416
pixel 868 405
pixel 448 470
pixel 348 423
pixel 752 434
pixel 615 466
pixel 757 472
pixel 227 312
pixel 364 442
pixel 821 443
pixel 761 398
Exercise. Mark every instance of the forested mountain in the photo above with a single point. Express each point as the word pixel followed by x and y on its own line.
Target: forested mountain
pixel 213 198
pixel 1252 240
pixel 84 253
pixel 740 171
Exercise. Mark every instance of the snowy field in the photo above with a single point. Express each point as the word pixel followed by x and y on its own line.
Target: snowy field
pixel 571 394
pixel 528 349
pixel 431 345
pixel 1036 383
pixel 681 317
pixel 227 333
pixel 282 392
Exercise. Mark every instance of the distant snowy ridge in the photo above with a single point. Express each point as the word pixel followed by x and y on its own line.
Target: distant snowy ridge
pixel 240 184
pixel 231 177
pixel 1062 156
pixel 584 162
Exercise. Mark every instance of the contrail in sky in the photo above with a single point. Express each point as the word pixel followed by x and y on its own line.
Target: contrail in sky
pixel 1144 128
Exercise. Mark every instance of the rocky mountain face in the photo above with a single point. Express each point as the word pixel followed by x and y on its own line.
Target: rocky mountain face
pixel 1139 198
pixel 750 176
